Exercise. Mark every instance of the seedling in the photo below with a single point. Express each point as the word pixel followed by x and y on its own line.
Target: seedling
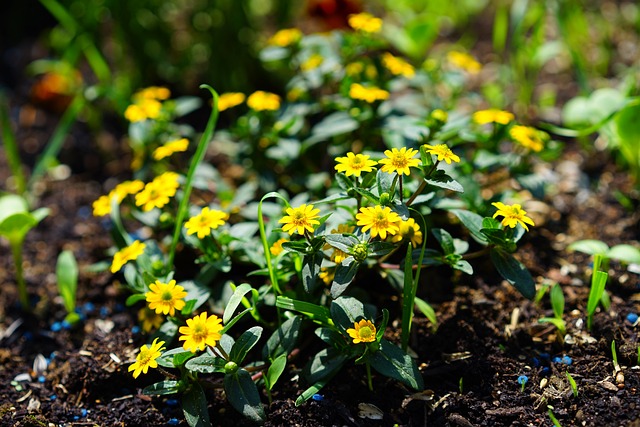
pixel 15 223
pixel 614 355
pixel 574 386
pixel 598 282
pixel 557 304
pixel 553 418
pixel 67 275
pixel 624 253
pixel 522 380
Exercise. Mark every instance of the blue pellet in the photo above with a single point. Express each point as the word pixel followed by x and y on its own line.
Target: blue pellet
pixel 172 402
pixel 522 379
pixel 567 360
pixel 173 422
pixel 56 326
pixel 317 397
pixel 632 318
pixel 41 379
pixel 135 329
pixel 557 359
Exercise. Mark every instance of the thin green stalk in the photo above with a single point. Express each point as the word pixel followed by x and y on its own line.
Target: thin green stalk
pixel 16 251
pixel 369 380
pixel 11 148
pixel 265 244
pixel 57 139
pixel 195 162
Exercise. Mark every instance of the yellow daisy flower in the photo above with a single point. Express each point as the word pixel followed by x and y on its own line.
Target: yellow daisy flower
pixel 368 94
pixel 313 62
pixel 513 215
pixel 147 358
pixel 327 275
pixel 125 188
pixel 399 160
pixel 365 22
pixel 529 137
pixel 153 92
pixel 263 101
pixel 300 219
pixel 175 146
pixel 286 37
pixel 362 331
pixel 230 100
pixel 397 66
pixel 408 230
pixel 440 115
pixel 201 331
pixel 166 298
pixel 102 206
pixel 206 221
pixel 143 109
pixel 353 68
pixel 492 115
pixel 443 152
pixel 381 221
pixel 124 255
pixel 276 249
pixel 464 61
pixel 150 319
pixel 354 164
pixel 156 194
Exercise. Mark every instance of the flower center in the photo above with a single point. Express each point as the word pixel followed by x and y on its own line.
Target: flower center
pixel 365 332
pixel 199 332
pixel 399 161
pixel 167 296
pixel 145 356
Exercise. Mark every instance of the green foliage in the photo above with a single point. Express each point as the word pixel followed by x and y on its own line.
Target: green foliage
pixel 67 279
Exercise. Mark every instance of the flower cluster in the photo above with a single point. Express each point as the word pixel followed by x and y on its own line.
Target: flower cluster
pixel 147 104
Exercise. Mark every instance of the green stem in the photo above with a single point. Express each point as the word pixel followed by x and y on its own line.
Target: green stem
pixel 423 184
pixel 11 147
pixel 16 251
pixel 197 159
pixel 369 380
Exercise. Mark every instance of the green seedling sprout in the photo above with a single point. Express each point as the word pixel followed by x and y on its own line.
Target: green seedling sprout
pixel 67 277
pixel 574 386
pixel 15 223
pixel 598 282
pixel 614 355
pixel 553 418
pixel 557 304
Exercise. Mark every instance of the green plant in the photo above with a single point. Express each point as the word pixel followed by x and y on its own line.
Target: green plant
pixel 624 253
pixel 557 304
pixel 552 417
pixel 15 222
pixel 67 280
pixel 614 356
pixel 572 382
pixel 596 291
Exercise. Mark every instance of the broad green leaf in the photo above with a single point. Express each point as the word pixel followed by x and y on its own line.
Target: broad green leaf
pixel 67 276
pixel 163 388
pixel 344 242
pixel 12 204
pixel 473 222
pixel 557 301
pixel 174 357
pixel 235 301
pixel 441 180
pixel 590 247
pixel 595 292
pixel 625 253
pixel 243 395
pixel 324 365
pixel 245 343
pixel 427 310
pixel 345 311
pixel 195 291
pixel 206 364
pixel 444 239
pixel 275 370
pixel 514 272
pixel 392 362
pixel 283 339
pixel 310 270
pixel 313 311
pixel 328 335
pixel 132 299
pixel 16 227
pixel 345 273
pixel 463 266
pixel 194 406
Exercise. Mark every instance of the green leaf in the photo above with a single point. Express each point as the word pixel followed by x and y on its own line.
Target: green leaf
pixel 427 310
pixel 597 288
pixel 473 222
pixel 558 323
pixel 310 270
pixel 235 301
pixel 392 362
pixel 441 180
pixel 197 292
pixel 313 311
pixel 557 301
pixel 245 343
pixel 345 311
pixel 344 242
pixel 624 253
pixel 132 299
pixel 174 357
pixel 275 370
pixel 590 247
pixel 337 123
pixel 12 204
pixel 243 395
pixel 324 365
pixel 445 240
pixel 345 273
pixel 343 181
pixel 163 388
pixel 514 272
pixel 16 227
pixel 308 393
pixel 328 335
pixel 67 275
pixel 464 266
pixel 283 339
pixel 194 406
pixel 206 364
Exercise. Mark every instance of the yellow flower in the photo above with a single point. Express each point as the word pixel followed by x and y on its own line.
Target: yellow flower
pixel 397 66
pixel 276 249
pixel 492 115
pixel 295 93
pixel 327 275
pixel 155 194
pixel 313 62
pixel 367 94
pixel 230 100
pixel 125 188
pixel 300 219
pixel 124 255
pixel 261 101
pixel 464 61
pixel 286 37
pixel 147 358
pixel 399 160
pixel 353 68
pixel 150 319
pixel 354 164
pixel 513 215
pixel 362 331
pixel 439 115
pixel 443 152
pixel 102 206
pixel 169 179
pixel 206 221
pixel 153 92
pixel 143 109
pixel 408 230
pixel 529 137
pixel 365 22
pixel 166 298
pixel 380 220
pixel 201 331
pixel 171 147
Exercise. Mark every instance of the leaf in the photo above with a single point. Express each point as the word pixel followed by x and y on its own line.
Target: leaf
pixel 392 362
pixel 343 242
pixel 163 388
pixel 67 277
pixel 345 311
pixel 283 339
pixel 195 291
pixel 310 270
pixel 328 335
pixel 345 273
pixel 243 395
pixel 625 253
pixel 337 123
pixel 514 272
pixel 464 266
pixel 275 370
pixel 313 311
pixel 590 247
pixel 595 292
pixel 245 343
pixel 427 310
pixel 194 406
pixel 324 365
pixel 473 222
pixel 206 364
pixel 11 204
pixel 557 301
pixel 235 301
pixel 174 357
pixel 441 180
pixel 444 239
pixel 15 227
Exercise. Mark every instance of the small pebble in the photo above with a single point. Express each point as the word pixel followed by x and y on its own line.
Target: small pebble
pixel 173 422
pixel 632 318
pixel 53 397
pixel 135 329
pixel 83 412
pixel 56 326
pixel 41 379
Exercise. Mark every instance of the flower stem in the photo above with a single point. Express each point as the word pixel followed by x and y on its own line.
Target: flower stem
pixel 369 380
pixel 423 184
pixel 16 250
